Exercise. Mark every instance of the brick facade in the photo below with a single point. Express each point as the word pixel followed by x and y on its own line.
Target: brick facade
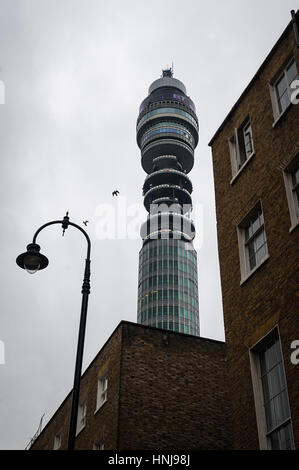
pixel 166 390
pixel 269 297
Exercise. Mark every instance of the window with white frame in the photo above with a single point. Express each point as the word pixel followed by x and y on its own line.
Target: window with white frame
pixel 281 88
pixel 102 390
pixel 57 441
pixel 241 146
pixel 99 444
pixel 252 241
pixel 291 179
pixel 81 419
pixel 271 395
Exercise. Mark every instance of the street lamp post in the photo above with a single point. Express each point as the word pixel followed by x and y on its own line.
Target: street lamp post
pixel 32 260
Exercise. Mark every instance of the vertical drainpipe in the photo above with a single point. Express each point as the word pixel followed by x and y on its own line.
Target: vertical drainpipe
pixel 295 27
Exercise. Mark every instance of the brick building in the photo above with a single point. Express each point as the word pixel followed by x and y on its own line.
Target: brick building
pixel 149 389
pixel 256 174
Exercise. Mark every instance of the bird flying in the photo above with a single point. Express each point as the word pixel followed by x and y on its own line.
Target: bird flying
pixel 115 193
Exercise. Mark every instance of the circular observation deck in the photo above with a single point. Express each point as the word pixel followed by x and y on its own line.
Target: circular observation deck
pixel 168 194
pixel 166 129
pixel 183 152
pixel 167 175
pixel 167 110
pixel 166 161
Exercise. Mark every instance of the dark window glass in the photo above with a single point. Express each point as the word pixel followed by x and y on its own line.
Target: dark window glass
pixel 292 73
pixel 276 403
pixel 255 240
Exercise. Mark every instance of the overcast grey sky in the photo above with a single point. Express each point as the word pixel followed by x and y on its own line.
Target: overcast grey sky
pixel 75 72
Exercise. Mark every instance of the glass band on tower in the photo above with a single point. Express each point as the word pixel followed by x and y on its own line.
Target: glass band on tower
pixel 167 134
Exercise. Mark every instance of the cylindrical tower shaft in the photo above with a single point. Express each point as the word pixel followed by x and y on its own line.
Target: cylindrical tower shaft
pixel 167 134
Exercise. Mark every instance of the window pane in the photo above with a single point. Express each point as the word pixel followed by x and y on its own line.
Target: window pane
pixel 256 224
pixel 281 375
pixel 271 355
pixel 259 240
pixel 252 262
pixel 251 255
pixel 291 72
pixel 263 363
pixel 248 232
pixel 278 409
pixel 285 438
pixel 281 86
pixel 296 196
pixel 260 254
pixel 275 382
pixel 295 177
pixel 248 147
pixel 275 441
pixel 284 101
pixel 266 390
pixel 284 405
pixel 269 412
pixel 247 132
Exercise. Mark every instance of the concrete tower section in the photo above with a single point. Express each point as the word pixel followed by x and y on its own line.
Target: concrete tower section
pixel 167 134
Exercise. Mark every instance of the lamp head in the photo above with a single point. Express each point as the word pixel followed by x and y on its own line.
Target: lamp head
pixel 32 260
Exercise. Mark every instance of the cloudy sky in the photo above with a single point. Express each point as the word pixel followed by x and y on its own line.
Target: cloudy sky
pixel 75 72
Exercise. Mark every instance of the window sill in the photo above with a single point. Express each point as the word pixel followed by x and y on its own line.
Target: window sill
pixel 295 225
pixel 254 270
pixel 242 168
pixel 99 407
pixel 278 118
